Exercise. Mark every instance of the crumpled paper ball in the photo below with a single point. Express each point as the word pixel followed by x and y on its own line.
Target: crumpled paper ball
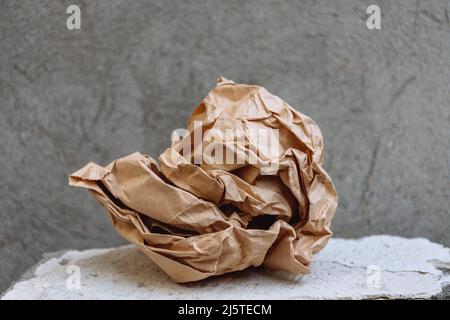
pixel 242 186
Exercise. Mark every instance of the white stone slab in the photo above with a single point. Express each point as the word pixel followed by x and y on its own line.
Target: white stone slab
pixel 376 267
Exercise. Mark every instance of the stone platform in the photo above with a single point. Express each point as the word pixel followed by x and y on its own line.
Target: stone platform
pixel 375 267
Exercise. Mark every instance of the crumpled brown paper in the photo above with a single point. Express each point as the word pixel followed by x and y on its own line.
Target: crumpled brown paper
pixel 197 218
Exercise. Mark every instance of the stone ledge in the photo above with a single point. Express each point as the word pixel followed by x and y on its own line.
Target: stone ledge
pixel 375 267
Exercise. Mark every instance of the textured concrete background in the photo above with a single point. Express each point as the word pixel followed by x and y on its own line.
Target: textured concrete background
pixel 136 69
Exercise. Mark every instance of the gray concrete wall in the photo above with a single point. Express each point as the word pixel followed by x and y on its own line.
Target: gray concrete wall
pixel 136 69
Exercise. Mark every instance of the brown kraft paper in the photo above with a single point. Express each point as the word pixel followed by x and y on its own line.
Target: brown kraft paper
pixel 268 201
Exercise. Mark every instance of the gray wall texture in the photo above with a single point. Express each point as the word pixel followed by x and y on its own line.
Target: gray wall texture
pixel 136 69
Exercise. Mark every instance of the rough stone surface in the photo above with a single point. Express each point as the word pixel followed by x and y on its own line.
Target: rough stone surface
pixel 137 68
pixel 346 269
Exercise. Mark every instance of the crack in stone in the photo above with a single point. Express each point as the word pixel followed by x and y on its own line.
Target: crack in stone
pixel 383 270
pixel 364 199
pixel 402 88
pixel 431 16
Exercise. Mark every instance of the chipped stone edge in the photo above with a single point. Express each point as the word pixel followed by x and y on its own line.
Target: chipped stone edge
pixel 30 272
pixel 445 279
